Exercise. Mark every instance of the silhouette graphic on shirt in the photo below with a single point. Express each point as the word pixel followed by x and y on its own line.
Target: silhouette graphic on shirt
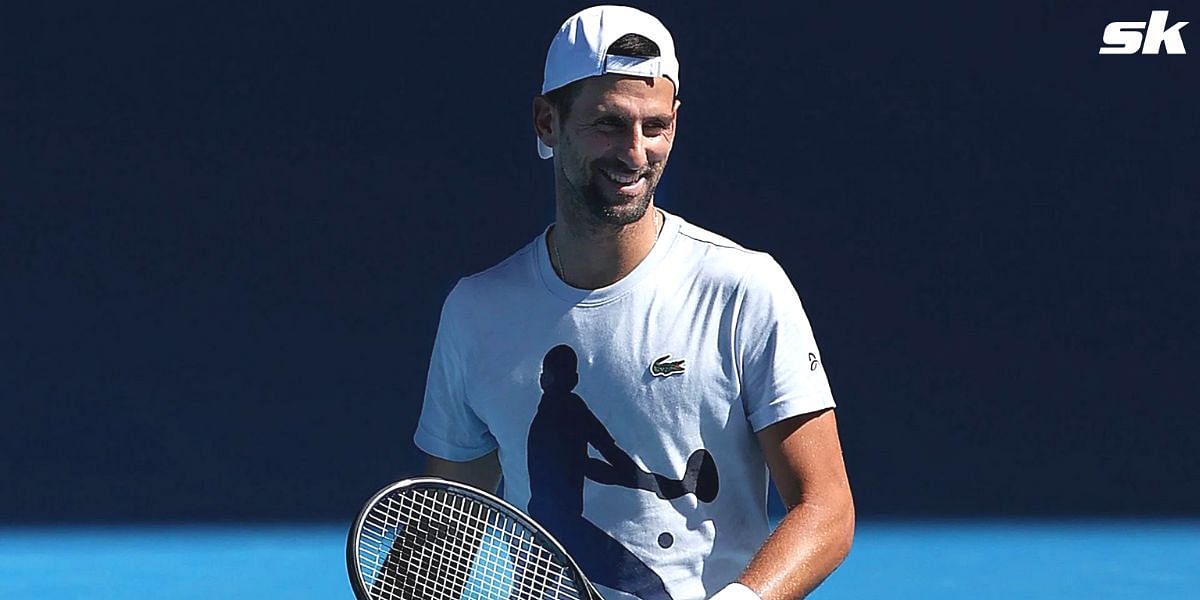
pixel 559 437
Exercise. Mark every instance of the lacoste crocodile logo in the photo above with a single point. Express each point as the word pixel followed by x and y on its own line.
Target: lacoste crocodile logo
pixel 662 367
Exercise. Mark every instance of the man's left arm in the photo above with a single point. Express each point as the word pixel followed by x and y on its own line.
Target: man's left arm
pixel 804 455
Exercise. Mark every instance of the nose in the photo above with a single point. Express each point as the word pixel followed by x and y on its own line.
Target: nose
pixel 633 149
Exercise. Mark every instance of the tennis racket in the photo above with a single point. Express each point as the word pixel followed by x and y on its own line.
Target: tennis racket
pixel 433 539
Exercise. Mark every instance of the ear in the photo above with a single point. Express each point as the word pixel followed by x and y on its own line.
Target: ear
pixel 544 121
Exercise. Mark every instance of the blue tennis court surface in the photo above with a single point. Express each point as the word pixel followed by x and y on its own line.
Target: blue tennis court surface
pixel 927 560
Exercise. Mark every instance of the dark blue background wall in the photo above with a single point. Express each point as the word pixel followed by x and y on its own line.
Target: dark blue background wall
pixel 226 231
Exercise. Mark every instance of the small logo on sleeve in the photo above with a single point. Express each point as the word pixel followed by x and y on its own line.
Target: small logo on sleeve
pixel 813 361
pixel 662 367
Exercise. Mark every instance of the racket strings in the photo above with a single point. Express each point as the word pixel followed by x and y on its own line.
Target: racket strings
pixel 432 544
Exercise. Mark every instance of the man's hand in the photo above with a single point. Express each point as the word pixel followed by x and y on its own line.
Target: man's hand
pixel 805 458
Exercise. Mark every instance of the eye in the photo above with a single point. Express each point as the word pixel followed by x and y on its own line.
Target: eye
pixel 654 128
pixel 609 123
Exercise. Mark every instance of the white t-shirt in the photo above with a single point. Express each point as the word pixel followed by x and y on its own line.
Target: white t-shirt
pixel 702 345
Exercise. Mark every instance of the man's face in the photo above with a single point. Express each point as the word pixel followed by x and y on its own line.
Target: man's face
pixel 613 145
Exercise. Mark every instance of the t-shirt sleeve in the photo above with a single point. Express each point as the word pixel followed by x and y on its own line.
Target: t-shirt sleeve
pixel 781 371
pixel 448 428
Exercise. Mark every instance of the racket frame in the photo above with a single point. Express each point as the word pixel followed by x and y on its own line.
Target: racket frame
pixel 354 568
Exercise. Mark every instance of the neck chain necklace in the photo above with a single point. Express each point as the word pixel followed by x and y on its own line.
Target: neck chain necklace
pixel 659 222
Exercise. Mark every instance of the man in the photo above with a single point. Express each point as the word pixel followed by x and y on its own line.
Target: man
pixel 631 375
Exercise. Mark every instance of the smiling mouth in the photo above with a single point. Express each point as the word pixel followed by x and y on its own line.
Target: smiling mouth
pixel 621 178
pixel 627 183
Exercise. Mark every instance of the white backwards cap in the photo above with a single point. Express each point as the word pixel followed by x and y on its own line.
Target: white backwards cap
pixel 579 50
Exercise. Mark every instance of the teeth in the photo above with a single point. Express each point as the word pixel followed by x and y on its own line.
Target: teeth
pixel 625 179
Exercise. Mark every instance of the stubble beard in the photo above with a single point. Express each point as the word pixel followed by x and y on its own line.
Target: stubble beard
pixel 616 214
pixel 602 211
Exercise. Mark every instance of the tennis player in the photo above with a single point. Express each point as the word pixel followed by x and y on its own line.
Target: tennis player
pixel 633 377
